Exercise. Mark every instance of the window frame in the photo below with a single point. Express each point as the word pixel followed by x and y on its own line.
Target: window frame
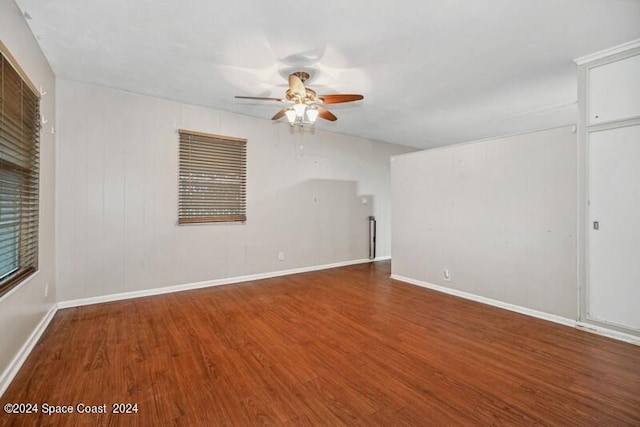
pixel 27 176
pixel 212 178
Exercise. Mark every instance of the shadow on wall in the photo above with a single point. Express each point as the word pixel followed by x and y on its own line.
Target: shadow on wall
pixel 315 222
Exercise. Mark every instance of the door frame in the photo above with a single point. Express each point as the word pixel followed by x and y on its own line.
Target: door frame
pixel 584 130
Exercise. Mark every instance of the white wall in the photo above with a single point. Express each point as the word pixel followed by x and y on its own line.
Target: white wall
pixel 500 215
pixel 23 308
pixel 117 195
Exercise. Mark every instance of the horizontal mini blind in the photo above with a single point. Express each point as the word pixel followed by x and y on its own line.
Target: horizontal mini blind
pixel 212 178
pixel 19 163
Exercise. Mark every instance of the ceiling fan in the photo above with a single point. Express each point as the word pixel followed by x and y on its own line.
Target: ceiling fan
pixel 305 106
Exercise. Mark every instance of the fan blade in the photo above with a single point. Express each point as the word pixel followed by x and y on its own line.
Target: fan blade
pixel 260 98
pixel 326 114
pixel 339 97
pixel 296 86
pixel 279 114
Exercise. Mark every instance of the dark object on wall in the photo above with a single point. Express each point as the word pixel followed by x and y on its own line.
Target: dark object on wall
pixel 372 237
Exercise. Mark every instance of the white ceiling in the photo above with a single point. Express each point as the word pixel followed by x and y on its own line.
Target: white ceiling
pixel 432 72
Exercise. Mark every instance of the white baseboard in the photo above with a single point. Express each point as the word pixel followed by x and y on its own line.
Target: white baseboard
pixel 610 333
pixel 496 303
pixel 15 365
pixel 198 285
pixel 632 339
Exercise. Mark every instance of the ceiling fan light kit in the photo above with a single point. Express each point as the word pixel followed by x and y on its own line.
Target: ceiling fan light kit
pixel 301 114
pixel 299 109
pixel 306 105
pixel 312 114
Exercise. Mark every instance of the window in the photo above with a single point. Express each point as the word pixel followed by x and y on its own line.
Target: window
pixel 212 178
pixel 19 162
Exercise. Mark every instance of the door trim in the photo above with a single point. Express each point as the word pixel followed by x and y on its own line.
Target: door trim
pixel 584 130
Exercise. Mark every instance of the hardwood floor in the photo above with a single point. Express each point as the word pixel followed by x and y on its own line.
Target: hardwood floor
pixel 346 346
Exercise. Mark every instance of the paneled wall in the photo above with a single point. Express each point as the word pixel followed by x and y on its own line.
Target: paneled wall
pixel 309 195
pixel 500 216
pixel 23 308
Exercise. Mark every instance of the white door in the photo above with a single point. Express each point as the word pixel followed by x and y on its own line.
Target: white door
pixel 613 290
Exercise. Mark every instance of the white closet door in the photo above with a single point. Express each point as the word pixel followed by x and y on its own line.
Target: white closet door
pixel 613 292
pixel 614 91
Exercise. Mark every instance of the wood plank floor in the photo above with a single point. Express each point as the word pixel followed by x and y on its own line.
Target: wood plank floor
pixel 346 346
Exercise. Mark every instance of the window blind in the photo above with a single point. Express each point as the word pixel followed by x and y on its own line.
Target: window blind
pixel 212 178
pixel 19 174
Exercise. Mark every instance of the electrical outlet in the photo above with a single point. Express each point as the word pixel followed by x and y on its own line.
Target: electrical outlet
pixel 280 256
pixel 46 289
pixel 446 275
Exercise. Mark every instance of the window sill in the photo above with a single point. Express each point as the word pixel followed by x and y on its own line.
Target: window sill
pixel 15 288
